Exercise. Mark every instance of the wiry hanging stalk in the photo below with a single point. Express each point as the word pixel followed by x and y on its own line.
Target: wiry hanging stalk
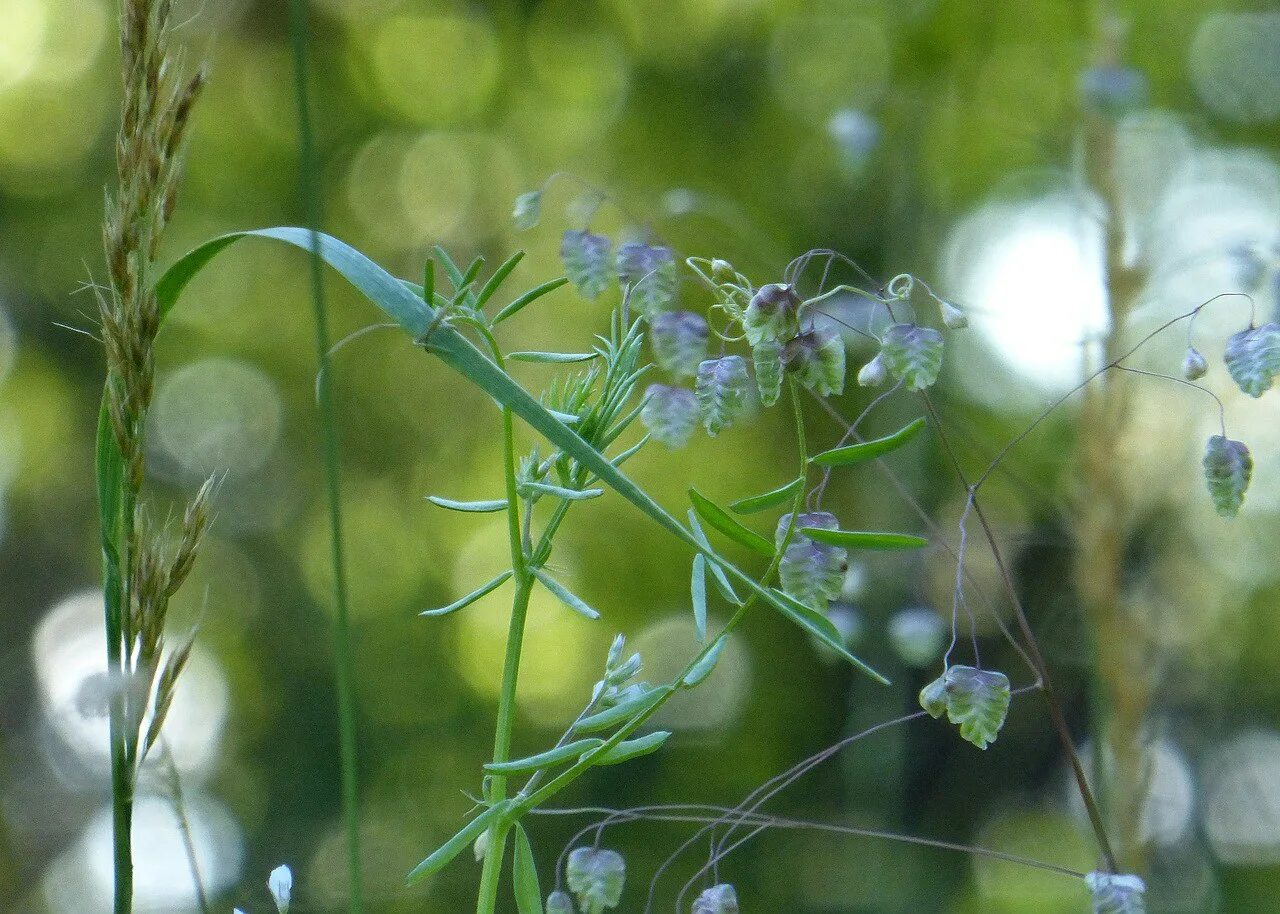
pixel 141 574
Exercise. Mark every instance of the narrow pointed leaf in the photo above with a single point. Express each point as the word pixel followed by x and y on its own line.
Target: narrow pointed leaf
pixel 717 573
pixel 621 712
pixel 868 450
pixel 779 496
pixel 554 358
pixel 703 668
pixel 498 277
pixel 717 517
pixel 628 749
pixel 564 596
pixel 698 593
pixel 543 488
pixel 529 298
pixel 469 507
pixel 818 625
pixel 470 598
pixel 857 539
pixel 458 843
pixel 525 876
pixel 544 759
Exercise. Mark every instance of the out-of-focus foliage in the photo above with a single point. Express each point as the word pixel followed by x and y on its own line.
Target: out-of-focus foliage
pixel 935 136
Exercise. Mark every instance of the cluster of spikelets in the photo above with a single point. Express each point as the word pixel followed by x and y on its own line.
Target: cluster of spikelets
pixel 156 109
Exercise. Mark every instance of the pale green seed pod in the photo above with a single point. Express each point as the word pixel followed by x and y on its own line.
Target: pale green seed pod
pixel 953 317
pixel 719 899
pixel 874 373
pixel 977 701
pixel 1228 468
pixel 722 391
pixel 767 360
pixel 670 414
pixel 811 572
pixel 1117 893
pixel 1194 366
pixel 649 271
pixel 913 354
pixel 596 877
pixel 586 261
pixel 679 341
pixel 528 210
pixel 818 360
pixel 559 902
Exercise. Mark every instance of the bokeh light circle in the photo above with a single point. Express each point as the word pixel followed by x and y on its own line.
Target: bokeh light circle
pixel 1242 800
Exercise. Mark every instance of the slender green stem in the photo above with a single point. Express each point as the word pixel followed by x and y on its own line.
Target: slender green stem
pixel 344 667
pixel 487 898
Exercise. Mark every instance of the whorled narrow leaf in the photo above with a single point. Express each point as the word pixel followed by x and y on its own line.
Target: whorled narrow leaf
pixel 719 899
pixel 670 414
pixel 482 590
pixel 975 700
pixel 722 391
pixel 564 595
pixel 811 571
pixel 817 359
pixel 587 262
pixel 649 271
pixel 596 876
pixel 1253 358
pixel 458 843
pixel 524 876
pixel 779 496
pixel 766 358
pixel 629 749
pixel 469 507
pixel 1116 893
pixel 621 712
pixel 861 539
pixel 546 759
pixel 913 354
pixel 717 517
pixel 698 594
pixel 1228 468
pixel 773 314
pixel 679 341
pixel 868 450
pixel 704 667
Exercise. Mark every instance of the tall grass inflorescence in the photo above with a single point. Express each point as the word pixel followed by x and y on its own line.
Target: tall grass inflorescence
pixel 141 573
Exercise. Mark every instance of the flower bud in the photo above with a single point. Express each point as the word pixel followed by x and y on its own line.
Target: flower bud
pixel 952 316
pixel 481 846
pixel 772 314
pixel 679 341
pixel 559 902
pixel 280 884
pixel 874 373
pixel 723 271
pixel 1193 364
pixel 615 651
pixel 596 876
pixel 528 210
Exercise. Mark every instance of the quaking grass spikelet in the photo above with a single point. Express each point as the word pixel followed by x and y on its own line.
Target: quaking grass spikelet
pixel 141 574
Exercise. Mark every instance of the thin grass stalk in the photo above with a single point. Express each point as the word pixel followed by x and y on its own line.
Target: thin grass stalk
pixel 344 666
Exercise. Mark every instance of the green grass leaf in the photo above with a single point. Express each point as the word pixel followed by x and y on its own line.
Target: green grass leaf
pixel 720 519
pixel 779 496
pixel 868 450
pixel 703 668
pixel 544 488
pixel 524 876
pixel 444 855
pixel 818 625
pixel 498 278
pixel 529 298
pixel 857 539
pixel 544 759
pixel 482 590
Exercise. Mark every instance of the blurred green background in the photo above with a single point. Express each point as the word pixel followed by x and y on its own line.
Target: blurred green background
pixel 935 136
